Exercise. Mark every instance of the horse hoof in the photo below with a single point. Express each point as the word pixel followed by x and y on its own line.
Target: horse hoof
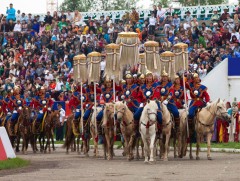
pixel 86 155
pixel 175 156
pixel 152 162
pixel 146 162
pixel 17 150
pixel 191 157
pixel 34 152
pixel 123 154
pixel 209 158
pixel 54 149
pixel 197 158
pixel 165 159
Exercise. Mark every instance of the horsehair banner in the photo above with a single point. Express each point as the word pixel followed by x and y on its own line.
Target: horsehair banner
pixel 181 57
pixel 6 149
pixel 113 62
pixel 142 64
pixel 167 63
pixel 128 42
pixel 80 68
pixel 152 56
pixel 94 60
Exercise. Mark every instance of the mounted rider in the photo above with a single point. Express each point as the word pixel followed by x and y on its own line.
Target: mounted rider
pixel 166 96
pixel 178 95
pixel 199 95
pixel 130 93
pixel 149 91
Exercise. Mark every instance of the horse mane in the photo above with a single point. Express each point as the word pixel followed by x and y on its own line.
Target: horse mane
pixel 128 114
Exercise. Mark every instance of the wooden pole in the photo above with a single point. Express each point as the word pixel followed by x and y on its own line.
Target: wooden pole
pixel 95 109
pixel 114 100
pixel 184 90
pixel 81 106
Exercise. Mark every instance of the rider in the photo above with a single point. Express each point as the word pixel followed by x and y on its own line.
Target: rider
pixel 199 95
pixel 166 96
pixel 178 95
pixel 41 104
pixel 141 80
pixel 149 91
pixel 130 93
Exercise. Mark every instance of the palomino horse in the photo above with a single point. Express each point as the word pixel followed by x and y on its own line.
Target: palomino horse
pixel 93 131
pixel 70 136
pixel 125 117
pixel 52 120
pixel 204 124
pixel 108 122
pixel 24 129
pixel 182 135
pixel 148 128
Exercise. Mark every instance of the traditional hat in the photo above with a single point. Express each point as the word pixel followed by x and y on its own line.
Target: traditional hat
pixel 195 75
pixel 176 77
pixel 129 76
pixel 148 72
pixel 141 76
pixel 164 73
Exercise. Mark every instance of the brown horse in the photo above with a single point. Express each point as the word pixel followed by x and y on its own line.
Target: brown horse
pixel 24 129
pixel 125 117
pixel 108 124
pixel 70 135
pixel 51 121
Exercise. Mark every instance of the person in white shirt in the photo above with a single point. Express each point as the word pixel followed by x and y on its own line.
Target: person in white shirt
pixel 59 84
pixel 17 27
pixel 59 133
pixel 69 17
pixel 236 34
pixel 48 77
pixel 160 14
pixel 102 67
pixel 152 24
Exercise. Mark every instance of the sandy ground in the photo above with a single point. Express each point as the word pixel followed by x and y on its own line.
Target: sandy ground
pixel 59 166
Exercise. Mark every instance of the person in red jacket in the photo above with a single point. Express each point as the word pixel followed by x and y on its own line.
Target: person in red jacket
pixel 199 95
pixel 148 91
pixel 178 95
pixel 130 93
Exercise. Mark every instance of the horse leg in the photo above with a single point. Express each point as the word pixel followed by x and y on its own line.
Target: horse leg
pixel 145 149
pixel 108 145
pixel 198 146
pixel 174 143
pixel 78 142
pixel 131 143
pixel 53 146
pixel 18 143
pixel 152 148
pixel 168 135
pixel 190 151
pixel 137 148
pixel 209 137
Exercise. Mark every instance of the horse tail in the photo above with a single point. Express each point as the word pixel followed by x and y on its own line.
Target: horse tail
pixel 69 136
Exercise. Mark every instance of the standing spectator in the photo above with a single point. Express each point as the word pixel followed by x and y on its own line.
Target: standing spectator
pixel 224 15
pixel 18 16
pixel 17 27
pixel 152 24
pixel 176 21
pixel 77 18
pixel 134 16
pixel 188 18
pixel 154 11
pixel 48 18
pixel 11 13
pixel 69 17
pixel 59 133
pixel 160 14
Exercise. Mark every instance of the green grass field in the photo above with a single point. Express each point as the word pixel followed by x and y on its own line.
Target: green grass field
pixel 13 163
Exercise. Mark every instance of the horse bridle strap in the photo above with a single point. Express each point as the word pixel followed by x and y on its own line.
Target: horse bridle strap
pixel 149 124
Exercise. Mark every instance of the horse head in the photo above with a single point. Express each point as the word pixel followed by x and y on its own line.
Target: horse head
pixel 151 110
pixel 221 111
pixel 109 110
pixel 120 109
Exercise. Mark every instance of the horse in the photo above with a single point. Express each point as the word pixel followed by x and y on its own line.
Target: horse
pixel 183 134
pixel 70 135
pixel 125 117
pixel 51 121
pixel 24 129
pixel 148 129
pixel 93 131
pixel 204 124
pixel 108 118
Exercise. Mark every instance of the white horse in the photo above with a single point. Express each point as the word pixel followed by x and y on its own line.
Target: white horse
pixel 148 128
pixel 204 123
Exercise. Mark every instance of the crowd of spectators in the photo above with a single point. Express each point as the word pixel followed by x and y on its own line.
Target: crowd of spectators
pixel 37 52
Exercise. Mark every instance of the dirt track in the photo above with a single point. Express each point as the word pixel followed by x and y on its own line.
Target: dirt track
pixel 59 166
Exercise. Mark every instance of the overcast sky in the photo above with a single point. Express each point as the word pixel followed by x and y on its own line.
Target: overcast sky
pixel 39 6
